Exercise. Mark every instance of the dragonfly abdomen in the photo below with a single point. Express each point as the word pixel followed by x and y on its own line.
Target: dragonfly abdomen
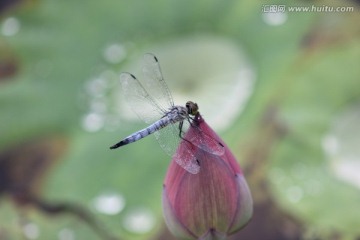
pixel 163 122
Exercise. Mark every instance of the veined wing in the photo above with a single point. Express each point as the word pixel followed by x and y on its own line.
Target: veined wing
pixel 184 155
pixel 187 160
pixel 168 138
pixel 200 139
pixel 206 142
pixel 155 83
pixel 169 141
pixel 139 99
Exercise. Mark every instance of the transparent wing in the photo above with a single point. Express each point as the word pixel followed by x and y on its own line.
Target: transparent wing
pixel 202 140
pixel 169 141
pixel 187 160
pixel 139 99
pixel 155 83
pixel 168 138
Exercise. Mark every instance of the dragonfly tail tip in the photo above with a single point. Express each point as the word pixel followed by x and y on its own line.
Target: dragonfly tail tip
pixel 117 145
pixel 114 146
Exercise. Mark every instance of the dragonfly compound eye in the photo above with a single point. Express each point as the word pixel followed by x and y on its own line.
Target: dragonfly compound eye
pixel 192 108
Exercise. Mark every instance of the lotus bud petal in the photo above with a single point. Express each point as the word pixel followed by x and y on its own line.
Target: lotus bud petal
pixel 212 204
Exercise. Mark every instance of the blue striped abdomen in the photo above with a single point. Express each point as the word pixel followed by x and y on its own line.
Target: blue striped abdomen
pixel 163 122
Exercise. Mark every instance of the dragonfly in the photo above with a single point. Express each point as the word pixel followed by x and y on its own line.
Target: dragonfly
pixel 152 101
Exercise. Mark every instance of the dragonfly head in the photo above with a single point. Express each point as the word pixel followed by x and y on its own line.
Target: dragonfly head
pixel 192 108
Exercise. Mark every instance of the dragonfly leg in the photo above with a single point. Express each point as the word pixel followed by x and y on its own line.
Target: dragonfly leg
pixel 191 122
pixel 180 130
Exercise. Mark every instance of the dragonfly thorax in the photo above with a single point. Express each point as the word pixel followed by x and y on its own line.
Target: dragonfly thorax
pixel 177 113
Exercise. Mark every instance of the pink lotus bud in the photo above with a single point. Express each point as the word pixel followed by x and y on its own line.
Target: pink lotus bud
pixel 211 204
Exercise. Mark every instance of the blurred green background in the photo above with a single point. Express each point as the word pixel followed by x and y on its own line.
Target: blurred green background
pixel 281 88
